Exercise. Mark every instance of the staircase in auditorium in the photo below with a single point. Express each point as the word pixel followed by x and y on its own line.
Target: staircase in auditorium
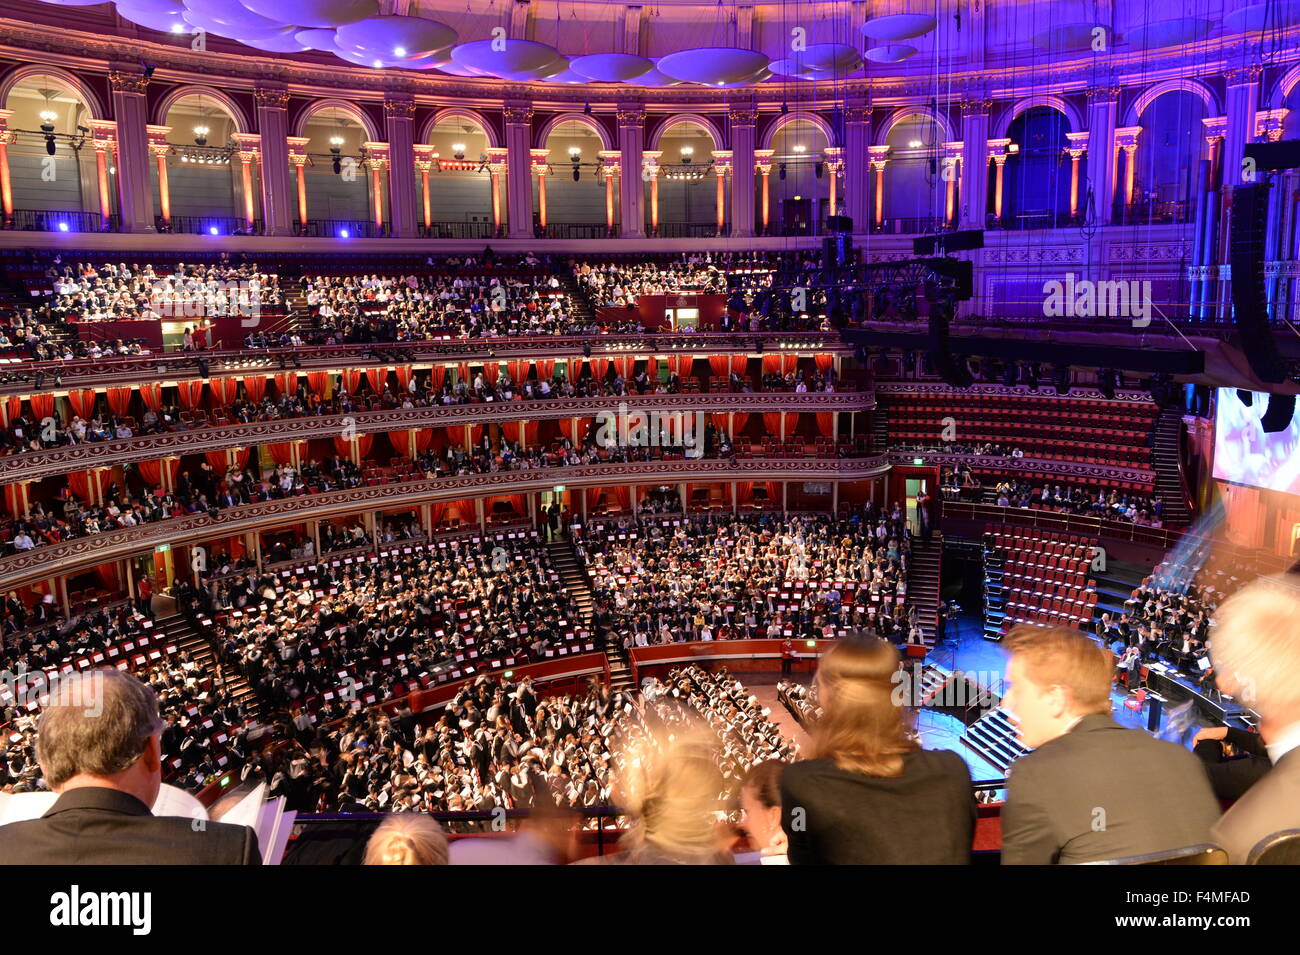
pixel 923 573
pixel 192 643
pixel 994 737
pixel 583 308
pixel 298 312
pixel 578 585
pixel 1166 458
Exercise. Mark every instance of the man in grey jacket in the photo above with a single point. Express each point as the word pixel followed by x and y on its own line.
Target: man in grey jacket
pixel 1091 790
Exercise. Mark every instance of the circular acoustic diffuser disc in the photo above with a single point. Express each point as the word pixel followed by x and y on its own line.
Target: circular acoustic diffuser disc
pixel 455 69
pixel 1069 36
pixel 228 18
pixel 316 38
pixel 368 59
pixel 1151 36
pixel 401 38
pixel 655 79
pixel 313 13
pixel 832 58
pixel 568 77
pixel 75 3
pixel 501 57
pixel 611 67
pixel 761 76
pixel 1262 16
pixel 893 53
pixel 283 41
pixel 792 69
pixel 712 66
pixel 898 26
pixel 165 16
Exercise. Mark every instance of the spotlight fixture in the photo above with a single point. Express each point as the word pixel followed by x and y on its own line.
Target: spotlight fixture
pixel 575 154
pixel 201 135
pixel 458 150
pixel 688 152
pixel 48 117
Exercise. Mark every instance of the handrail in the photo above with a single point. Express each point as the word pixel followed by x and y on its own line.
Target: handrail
pixel 36 465
pixel 179 365
pixel 71 555
pixel 1069 523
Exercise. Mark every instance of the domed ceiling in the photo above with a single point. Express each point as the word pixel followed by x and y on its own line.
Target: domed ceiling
pixel 686 42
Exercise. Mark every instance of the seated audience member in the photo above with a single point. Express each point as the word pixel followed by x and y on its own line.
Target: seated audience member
pixel 104 759
pixel 872 795
pixel 1091 790
pixel 407 839
pixel 670 785
pixel 760 800
pixel 1256 652
pixel 1235 759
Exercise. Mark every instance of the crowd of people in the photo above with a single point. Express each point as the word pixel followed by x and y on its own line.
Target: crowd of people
pixel 620 284
pixel 717 577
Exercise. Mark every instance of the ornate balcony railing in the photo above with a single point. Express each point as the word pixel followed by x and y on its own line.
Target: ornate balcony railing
pixel 174 366
pixel 37 465
pixel 1029 466
pixel 73 555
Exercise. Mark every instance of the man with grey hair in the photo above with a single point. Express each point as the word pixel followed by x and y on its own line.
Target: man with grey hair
pixel 98 746
pixel 1255 647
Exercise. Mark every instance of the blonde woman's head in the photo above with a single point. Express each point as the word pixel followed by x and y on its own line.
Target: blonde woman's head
pixel 864 727
pixel 672 787
pixel 408 838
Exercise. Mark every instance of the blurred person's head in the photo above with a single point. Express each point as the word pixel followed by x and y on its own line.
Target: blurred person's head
pixel 863 728
pixel 1056 677
pixel 407 838
pixel 671 786
pixel 760 800
pixel 101 728
pixel 1255 648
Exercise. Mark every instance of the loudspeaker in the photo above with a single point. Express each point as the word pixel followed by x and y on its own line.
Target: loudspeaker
pixel 839 224
pixel 964 241
pixel 837 250
pixel 1280 411
pixel 1284 154
pixel 952 369
pixel 1154 709
pixel 1249 302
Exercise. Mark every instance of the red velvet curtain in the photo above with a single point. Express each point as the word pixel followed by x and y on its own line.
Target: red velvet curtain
pixel 437 512
pixel 317 381
pixel 403 373
pixel 119 400
pixel 151 394
pixel 14 406
pixel 545 368
pixel 771 363
pixel 281 452
pixel 789 363
pixel 218 461
pixel 511 430
pixel 286 382
pixel 351 380
pixel 719 419
pixel 624 365
pixel 599 368
pixel 439 376
pixel 774 493
pixel 42 406
pixel 163 472
pixel 739 363
pixel 741 418
pixel 491 372
pixel 744 492
pixel 377 377
pixel 824 363
pixel 772 422
pixel 191 392
pixel 718 365
pixel 107 574
pixel 82 401
pixel 622 497
pixel 224 390
pixel 825 423
pixel 255 387
pixel 475 435
pixel 530 433
pixel 364 442
pixel 13 499
pixel 517 370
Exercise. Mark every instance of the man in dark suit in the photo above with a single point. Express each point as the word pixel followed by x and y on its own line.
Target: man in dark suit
pixel 1091 790
pixel 1256 651
pixel 99 749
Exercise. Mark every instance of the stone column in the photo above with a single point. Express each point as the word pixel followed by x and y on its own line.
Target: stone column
pixel 399 117
pixel 998 152
pixel 651 160
pixel 742 119
pixel 633 170
pixel 377 163
pixel 1077 149
pixel 541 167
pixel 131 115
pixel 273 126
pixel 1126 139
pixel 857 165
pixel 249 150
pixel 104 141
pixel 1242 103
pixel 7 136
pixel 610 170
pixel 424 163
pixel 497 168
pixel 975 163
pixel 763 159
pixel 951 175
pixel 721 163
pixel 159 148
pixel 297 157
pixel 1103 102
pixel 878 157
pixel 834 169
pixel 519 186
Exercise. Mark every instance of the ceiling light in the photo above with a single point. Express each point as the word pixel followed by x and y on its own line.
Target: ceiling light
pixel 399 51
pixel 913 144
pixel 801 149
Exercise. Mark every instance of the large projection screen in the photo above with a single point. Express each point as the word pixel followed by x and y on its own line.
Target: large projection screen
pixel 1245 454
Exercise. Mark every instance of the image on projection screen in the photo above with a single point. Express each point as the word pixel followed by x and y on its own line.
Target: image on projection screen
pixel 1245 454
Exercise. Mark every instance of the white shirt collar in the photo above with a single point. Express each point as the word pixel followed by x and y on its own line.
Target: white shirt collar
pixel 1287 740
